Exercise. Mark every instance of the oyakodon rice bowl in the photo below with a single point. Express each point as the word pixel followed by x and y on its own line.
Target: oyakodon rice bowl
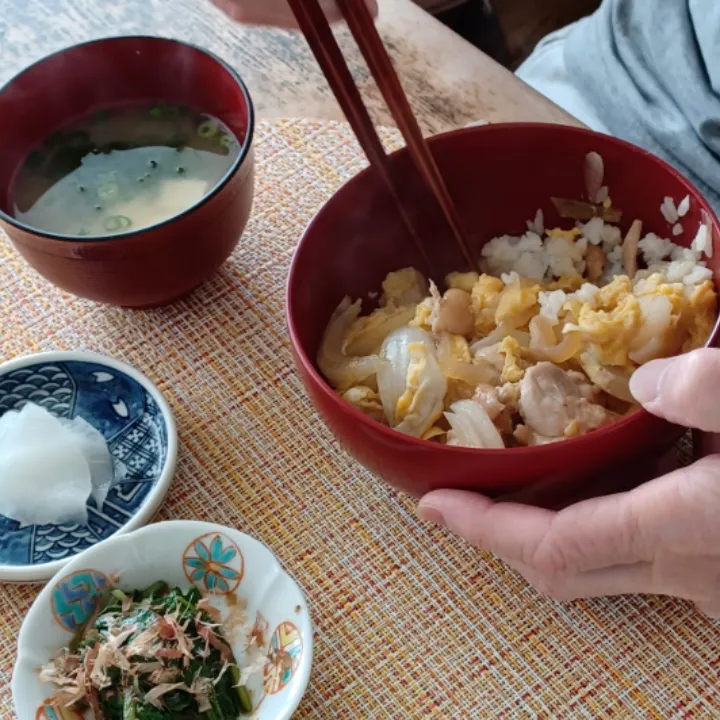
pixel 498 176
pixel 537 349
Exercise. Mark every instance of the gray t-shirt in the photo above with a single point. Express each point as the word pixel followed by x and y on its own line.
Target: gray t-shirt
pixel 651 70
pixel 647 71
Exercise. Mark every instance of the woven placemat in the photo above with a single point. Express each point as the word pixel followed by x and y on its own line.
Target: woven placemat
pixel 411 622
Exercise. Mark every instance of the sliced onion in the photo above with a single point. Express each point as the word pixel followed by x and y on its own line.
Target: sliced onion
pixel 613 380
pixel 366 335
pixel 428 394
pixel 498 335
pixel 594 175
pixel 630 248
pixel 340 370
pixel 545 345
pixel 710 235
pixel 472 373
pixel 472 426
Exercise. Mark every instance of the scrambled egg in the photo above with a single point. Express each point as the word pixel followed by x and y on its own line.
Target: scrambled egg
pixel 457 348
pixel 434 432
pixel 423 315
pixel 366 400
pixel 517 360
pixel 485 296
pixel 414 383
pixel 462 281
pixel 611 294
pixel 571 235
pixel 610 332
pixel 703 302
pixel 611 328
pixel 518 303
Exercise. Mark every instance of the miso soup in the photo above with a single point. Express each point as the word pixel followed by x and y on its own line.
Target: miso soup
pixel 122 169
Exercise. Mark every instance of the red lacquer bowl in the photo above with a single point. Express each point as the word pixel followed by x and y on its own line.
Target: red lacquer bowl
pixel 149 266
pixel 498 176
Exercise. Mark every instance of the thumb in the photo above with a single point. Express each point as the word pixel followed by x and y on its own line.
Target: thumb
pixel 683 389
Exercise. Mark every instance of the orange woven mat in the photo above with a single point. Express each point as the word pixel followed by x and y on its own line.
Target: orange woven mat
pixel 411 622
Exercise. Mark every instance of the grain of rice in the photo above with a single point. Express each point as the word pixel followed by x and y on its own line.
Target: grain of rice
pixel 551 304
pixel 586 294
pixel 709 228
pixel 697 276
pixel 654 248
pixel 701 243
pixel 684 206
pixel 669 211
pixel 528 256
pixel 593 230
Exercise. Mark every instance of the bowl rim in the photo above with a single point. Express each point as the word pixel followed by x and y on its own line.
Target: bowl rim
pixel 302 677
pixel 578 443
pixel 224 180
pixel 156 496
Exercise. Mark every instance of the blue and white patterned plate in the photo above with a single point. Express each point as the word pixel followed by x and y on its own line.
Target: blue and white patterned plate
pixel 139 428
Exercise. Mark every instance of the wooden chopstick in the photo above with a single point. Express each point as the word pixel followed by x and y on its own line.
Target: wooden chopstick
pixel 362 26
pixel 314 25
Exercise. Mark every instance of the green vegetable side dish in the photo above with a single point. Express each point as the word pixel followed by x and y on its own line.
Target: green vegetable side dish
pixel 153 654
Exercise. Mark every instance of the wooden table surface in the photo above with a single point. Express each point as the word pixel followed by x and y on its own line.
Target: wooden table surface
pixel 450 83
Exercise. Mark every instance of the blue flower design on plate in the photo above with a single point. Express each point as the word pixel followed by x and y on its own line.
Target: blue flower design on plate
pixel 214 564
pixel 125 413
pixel 75 598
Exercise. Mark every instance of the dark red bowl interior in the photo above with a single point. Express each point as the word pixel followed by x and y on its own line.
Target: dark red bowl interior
pixel 498 176
pixel 62 88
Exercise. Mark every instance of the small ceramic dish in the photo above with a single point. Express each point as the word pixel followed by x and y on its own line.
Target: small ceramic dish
pixel 222 563
pixel 139 428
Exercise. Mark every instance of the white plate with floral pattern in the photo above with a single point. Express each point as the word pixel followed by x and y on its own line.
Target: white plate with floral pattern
pixel 223 563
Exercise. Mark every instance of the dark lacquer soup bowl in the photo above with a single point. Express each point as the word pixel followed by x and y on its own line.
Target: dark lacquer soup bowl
pixel 498 176
pixel 160 262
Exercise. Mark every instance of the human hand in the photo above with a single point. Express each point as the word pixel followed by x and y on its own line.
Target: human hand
pixel 660 538
pixel 275 12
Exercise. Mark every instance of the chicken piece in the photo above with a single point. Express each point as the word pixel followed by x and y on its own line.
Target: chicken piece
pixel 525 436
pixel 487 397
pixel 492 356
pixel 552 404
pixel 453 313
pixel 509 396
pixel 596 259
pixel 586 388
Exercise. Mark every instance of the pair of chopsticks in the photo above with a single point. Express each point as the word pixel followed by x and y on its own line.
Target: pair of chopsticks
pixel 317 31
